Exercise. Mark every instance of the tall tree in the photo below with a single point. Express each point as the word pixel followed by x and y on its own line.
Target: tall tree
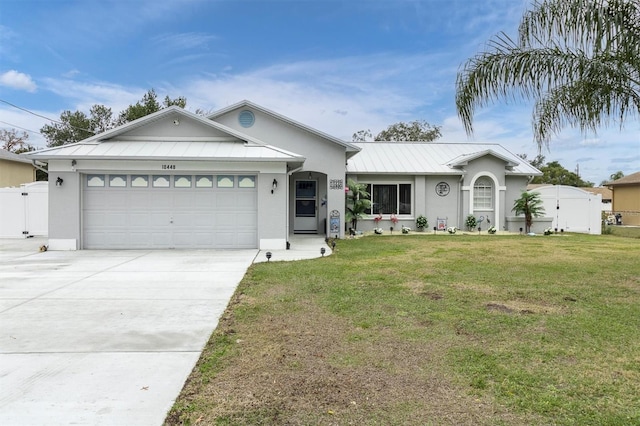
pixel 76 126
pixel 578 59
pixel 14 141
pixel 554 174
pixel 537 162
pixel 72 127
pixel 530 205
pixel 148 105
pixel 417 130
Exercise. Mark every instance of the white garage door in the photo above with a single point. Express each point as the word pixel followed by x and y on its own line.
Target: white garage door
pixel 169 211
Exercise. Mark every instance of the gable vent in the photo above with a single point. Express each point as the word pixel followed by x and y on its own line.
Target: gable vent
pixel 246 118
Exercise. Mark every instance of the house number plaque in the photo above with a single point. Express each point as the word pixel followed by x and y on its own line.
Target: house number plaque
pixel 442 189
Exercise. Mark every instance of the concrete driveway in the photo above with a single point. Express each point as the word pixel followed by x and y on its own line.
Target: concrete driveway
pixel 105 337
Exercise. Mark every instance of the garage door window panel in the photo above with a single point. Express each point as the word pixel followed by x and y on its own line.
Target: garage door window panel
pixel 182 181
pixel 139 181
pixel 94 181
pixel 246 181
pixel 204 181
pixel 160 181
pixel 117 181
pixel 226 181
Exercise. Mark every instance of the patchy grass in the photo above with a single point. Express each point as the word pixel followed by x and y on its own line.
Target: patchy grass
pixel 624 231
pixel 416 329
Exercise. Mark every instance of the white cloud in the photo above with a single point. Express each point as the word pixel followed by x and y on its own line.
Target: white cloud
pixel 184 40
pixel 18 80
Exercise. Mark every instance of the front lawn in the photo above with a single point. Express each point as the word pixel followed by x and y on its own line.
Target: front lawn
pixel 423 329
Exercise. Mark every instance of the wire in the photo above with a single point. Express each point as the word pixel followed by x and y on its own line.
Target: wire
pixel 21 128
pixel 46 118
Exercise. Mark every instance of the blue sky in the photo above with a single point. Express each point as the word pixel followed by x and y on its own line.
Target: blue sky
pixel 339 66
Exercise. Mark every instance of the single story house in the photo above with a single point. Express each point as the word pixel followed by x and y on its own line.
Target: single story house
pixel 248 177
pixel 15 169
pixel 626 198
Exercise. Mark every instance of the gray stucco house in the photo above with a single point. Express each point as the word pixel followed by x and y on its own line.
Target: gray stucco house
pixel 248 177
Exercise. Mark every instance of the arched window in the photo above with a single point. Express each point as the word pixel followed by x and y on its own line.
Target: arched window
pixel 483 194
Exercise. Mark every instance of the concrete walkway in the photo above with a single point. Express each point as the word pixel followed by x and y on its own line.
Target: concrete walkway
pixel 108 337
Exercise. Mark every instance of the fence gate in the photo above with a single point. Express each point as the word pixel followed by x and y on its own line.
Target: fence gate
pixel 24 210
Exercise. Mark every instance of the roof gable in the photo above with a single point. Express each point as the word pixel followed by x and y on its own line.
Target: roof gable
pixel 349 147
pixel 465 159
pixel 168 121
pixel 161 135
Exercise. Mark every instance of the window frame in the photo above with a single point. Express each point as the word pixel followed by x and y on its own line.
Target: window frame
pixel 398 197
pixel 483 190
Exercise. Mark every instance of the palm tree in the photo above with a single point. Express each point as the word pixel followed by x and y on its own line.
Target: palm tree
pixel 530 205
pixel 358 202
pixel 578 59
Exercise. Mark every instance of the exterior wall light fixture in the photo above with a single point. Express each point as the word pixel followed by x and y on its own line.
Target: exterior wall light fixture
pixel 59 181
pixel 274 185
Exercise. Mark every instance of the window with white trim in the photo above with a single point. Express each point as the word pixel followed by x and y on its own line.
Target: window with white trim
pixel 392 198
pixel 483 193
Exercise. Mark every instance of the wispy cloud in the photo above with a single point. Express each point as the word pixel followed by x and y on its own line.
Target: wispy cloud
pixel 17 80
pixel 184 41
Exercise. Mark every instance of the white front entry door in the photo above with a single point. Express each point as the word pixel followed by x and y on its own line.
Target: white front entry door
pixel 306 207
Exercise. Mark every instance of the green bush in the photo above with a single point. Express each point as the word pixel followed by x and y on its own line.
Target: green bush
pixel 421 222
pixel 471 222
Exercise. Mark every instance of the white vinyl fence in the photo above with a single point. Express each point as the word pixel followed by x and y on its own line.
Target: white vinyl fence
pixel 572 209
pixel 24 211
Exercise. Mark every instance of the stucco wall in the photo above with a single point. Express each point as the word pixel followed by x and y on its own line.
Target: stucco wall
pixel 64 207
pixel 322 157
pixel 13 173
pixel 446 207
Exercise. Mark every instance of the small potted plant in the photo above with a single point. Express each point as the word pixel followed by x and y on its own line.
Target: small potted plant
pixel 471 222
pixel 394 220
pixel 421 222
pixel 405 229
pixel 492 230
pixel 452 229
pixel 548 231
pixel 377 231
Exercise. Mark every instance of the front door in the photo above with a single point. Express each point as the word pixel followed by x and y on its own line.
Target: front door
pixel 306 207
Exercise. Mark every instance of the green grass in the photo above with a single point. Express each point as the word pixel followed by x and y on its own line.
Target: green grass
pixel 624 231
pixel 430 330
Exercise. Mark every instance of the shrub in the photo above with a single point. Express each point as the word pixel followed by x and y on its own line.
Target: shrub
pixel 421 222
pixel 471 222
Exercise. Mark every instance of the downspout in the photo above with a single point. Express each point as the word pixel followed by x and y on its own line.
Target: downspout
pixel 39 166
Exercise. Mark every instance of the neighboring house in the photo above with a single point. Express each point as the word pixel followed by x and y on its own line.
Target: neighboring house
pixel 15 169
pixel 572 209
pixel 626 198
pixel 247 177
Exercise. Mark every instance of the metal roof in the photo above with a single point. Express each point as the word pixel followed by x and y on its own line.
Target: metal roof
pixel 8 155
pixel 430 158
pixel 155 150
